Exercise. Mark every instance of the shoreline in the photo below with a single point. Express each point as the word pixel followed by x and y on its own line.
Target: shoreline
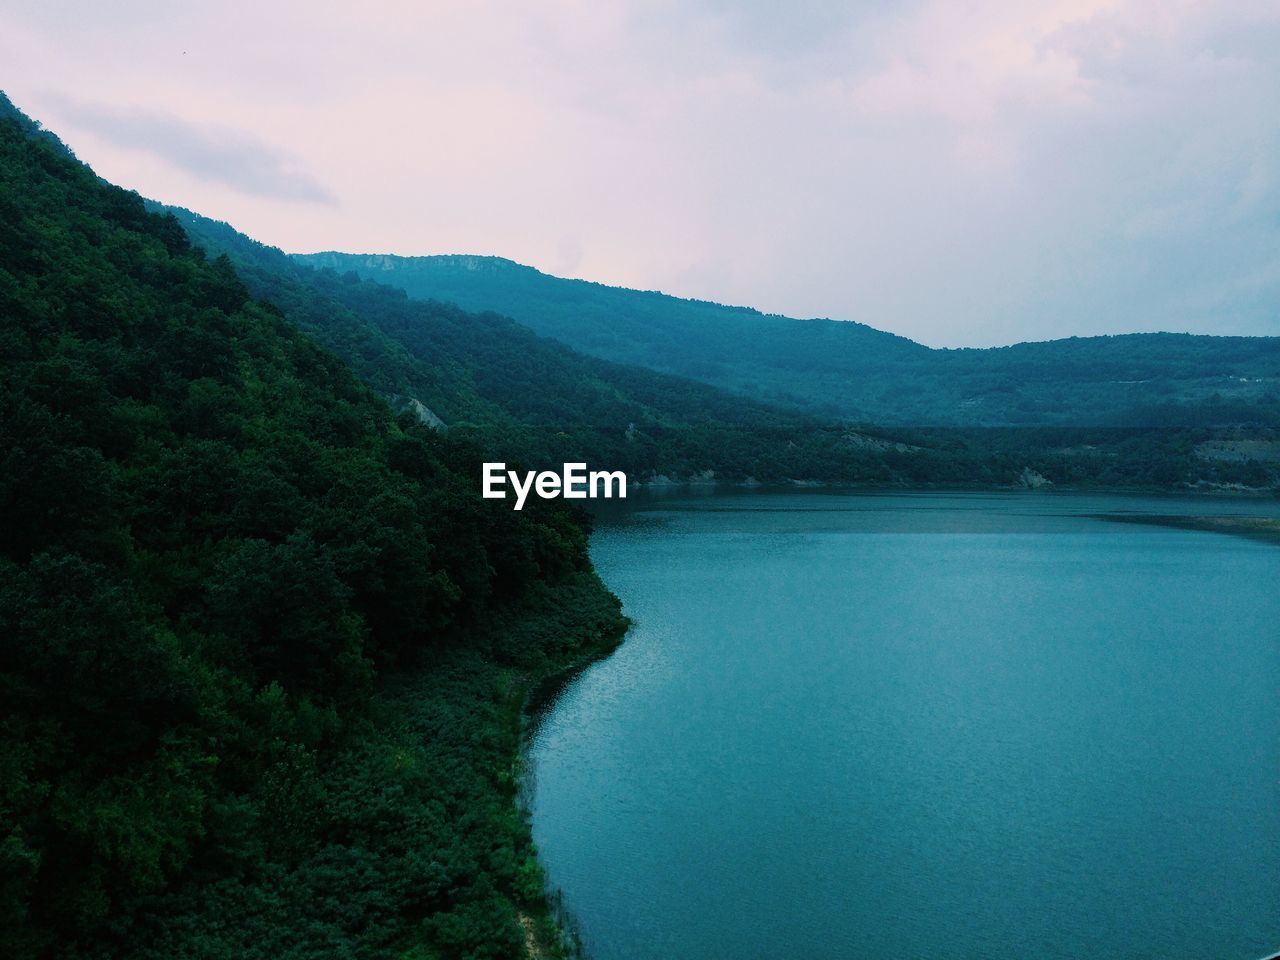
pixel 532 695
pixel 453 742
pixel 539 696
pixel 1264 529
pixel 779 486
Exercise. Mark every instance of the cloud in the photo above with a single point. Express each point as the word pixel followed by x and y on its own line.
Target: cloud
pixel 968 173
pixel 211 152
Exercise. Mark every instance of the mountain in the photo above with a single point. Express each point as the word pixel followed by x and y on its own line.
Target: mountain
pixel 263 646
pixel 850 370
pixel 530 398
pixel 534 399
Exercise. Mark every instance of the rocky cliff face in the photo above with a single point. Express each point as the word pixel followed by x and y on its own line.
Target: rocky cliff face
pixel 381 263
pixel 1033 480
pixel 420 410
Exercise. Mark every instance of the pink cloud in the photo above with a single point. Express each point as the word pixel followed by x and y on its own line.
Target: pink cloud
pixel 958 173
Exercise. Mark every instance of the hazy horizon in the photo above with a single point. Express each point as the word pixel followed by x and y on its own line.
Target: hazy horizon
pixel 1010 172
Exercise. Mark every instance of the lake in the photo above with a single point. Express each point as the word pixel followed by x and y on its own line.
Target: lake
pixel 927 725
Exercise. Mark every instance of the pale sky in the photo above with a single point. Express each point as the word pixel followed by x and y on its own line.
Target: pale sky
pixel 963 173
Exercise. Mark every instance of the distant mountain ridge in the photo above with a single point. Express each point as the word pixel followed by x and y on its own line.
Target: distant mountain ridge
pixel 503 267
pixel 530 398
pixel 848 369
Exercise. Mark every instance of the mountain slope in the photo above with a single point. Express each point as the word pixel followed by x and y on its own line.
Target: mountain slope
pixel 851 370
pixel 263 647
pixel 531 398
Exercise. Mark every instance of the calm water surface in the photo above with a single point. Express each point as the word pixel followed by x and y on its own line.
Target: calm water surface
pixel 857 726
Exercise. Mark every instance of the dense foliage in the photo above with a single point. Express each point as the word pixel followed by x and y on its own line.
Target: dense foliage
pixel 851 370
pixel 529 397
pixel 535 400
pixel 217 546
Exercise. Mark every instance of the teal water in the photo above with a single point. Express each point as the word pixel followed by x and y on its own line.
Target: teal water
pixel 963 726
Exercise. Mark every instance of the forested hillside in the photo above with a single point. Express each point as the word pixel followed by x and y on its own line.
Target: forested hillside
pixel 850 370
pixel 531 398
pixel 263 647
